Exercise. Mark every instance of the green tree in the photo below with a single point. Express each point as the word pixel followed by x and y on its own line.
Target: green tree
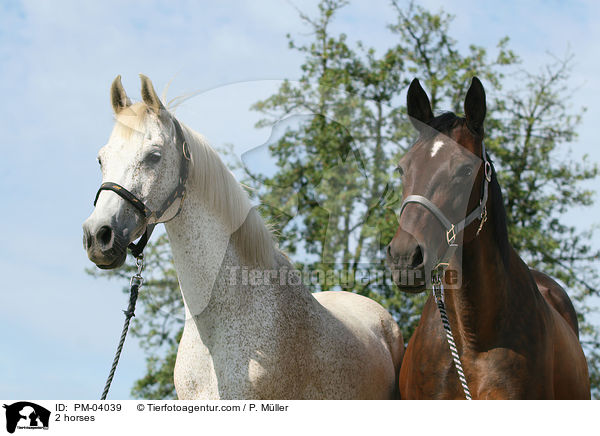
pixel 528 135
pixel 355 94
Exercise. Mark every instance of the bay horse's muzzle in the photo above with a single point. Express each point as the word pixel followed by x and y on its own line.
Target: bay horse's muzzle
pixel 406 259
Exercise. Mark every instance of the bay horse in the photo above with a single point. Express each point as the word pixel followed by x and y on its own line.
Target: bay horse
pixel 515 329
pixel 252 329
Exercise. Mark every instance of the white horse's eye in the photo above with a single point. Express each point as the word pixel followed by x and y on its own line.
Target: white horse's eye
pixel 153 157
pixel 99 161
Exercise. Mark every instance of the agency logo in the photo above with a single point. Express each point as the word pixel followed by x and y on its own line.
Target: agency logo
pixel 26 415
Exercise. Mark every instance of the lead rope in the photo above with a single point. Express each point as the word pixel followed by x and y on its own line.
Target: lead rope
pixel 135 283
pixel 438 294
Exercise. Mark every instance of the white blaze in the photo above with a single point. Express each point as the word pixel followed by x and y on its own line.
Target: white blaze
pixel 436 147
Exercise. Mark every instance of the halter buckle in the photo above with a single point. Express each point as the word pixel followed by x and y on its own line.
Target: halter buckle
pixel 186 151
pixel 451 235
pixel 488 171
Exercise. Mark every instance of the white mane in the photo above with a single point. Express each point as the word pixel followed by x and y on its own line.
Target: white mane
pixel 222 192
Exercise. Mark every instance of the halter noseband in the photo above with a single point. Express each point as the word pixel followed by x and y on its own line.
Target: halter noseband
pixel 453 229
pixel 178 193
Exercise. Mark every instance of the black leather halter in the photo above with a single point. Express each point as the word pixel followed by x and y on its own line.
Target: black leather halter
pixel 453 229
pixel 178 193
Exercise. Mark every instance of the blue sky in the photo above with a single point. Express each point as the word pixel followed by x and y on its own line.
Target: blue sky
pixel 57 60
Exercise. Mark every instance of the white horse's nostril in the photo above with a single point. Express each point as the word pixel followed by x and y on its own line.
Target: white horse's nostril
pixel 104 236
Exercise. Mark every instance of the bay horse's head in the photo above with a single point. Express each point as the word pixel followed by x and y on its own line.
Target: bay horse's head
pixel 444 179
pixel 144 169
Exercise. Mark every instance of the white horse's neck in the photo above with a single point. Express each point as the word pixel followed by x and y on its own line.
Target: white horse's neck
pixel 207 242
pixel 199 242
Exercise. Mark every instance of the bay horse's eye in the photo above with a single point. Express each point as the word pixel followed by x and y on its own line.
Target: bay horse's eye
pixel 400 171
pixel 465 171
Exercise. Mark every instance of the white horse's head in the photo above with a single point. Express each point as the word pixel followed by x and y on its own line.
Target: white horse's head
pixel 144 156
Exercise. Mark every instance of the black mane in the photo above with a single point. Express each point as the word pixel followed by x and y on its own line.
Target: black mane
pixel 500 227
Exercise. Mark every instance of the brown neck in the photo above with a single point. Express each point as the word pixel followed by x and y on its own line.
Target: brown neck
pixel 481 301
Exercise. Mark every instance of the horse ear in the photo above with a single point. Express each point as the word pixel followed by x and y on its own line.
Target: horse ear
pixel 118 97
pixel 475 106
pixel 149 95
pixel 418 105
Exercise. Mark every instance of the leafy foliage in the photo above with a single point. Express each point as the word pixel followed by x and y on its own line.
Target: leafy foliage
pixel 355 96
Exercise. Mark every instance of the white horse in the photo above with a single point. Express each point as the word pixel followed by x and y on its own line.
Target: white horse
pixel 252 330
